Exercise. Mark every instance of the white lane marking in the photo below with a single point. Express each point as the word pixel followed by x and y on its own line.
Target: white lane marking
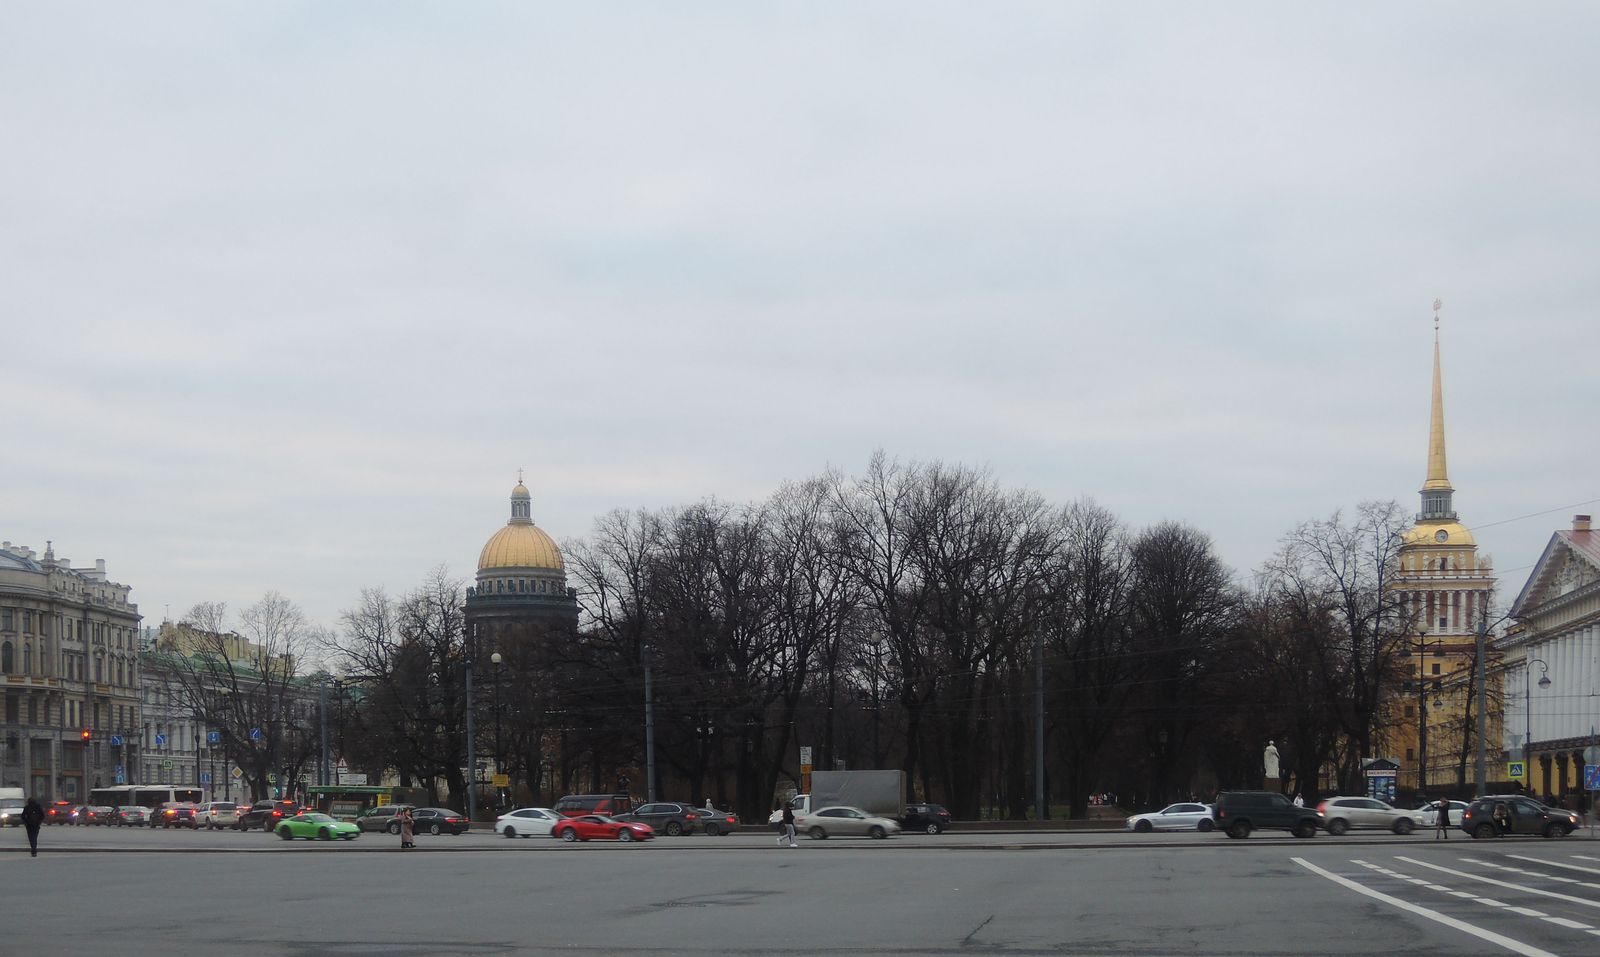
pixel 1492 902
pixel 1570 867
pixel 1539 874
pixel 1467 894
pixel 1584 857
pixel 1570 924
pixel 1527 912
pixel 1515 946
pixel 1507 884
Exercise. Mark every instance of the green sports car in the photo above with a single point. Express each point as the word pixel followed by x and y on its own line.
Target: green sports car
pixel 320 826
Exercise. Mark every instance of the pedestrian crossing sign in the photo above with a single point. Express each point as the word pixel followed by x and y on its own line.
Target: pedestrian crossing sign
pixel 1517 770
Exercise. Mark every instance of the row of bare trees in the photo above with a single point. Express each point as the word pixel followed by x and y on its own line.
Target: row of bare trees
pixel 906 617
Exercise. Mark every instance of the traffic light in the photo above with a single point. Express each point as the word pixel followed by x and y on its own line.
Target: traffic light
pixel 85 734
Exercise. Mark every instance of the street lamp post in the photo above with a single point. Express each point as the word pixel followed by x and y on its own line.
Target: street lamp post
pixel 1422 710
pixel 499 763
pixel 1527 712
pixel 472 749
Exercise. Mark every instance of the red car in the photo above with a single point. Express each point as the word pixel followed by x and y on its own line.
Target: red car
pixel 598 827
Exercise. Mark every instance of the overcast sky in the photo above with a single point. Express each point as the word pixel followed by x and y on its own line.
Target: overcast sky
pixel 289 291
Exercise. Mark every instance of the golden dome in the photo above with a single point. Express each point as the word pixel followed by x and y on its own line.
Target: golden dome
pixel 1427 533
pixel 521 545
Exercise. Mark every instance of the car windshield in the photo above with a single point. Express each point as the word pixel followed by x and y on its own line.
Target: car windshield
pixel 318 818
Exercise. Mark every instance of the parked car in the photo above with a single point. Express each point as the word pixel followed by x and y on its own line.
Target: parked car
pixel 1240 812
pixel 385 817
pixel 97 814
pixel 215 815
pixel 1185 816
pixel 1340 814
pixel 177 815
pixel 666 817
pixel 438 820
pixel 527 822
pixel 314 824
pixel 1524 815
pixel 841 821
pixel 1430 813
pixel 574 805
pixel 133 816
pixel 718 822
pixel 266 815
pixel 58 812
pixel 599 827
pixel 930 818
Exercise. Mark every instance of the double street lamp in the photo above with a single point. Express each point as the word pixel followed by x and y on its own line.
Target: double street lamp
pixel 1527 712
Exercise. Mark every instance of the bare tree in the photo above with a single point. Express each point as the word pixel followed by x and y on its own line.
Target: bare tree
pixel 243 683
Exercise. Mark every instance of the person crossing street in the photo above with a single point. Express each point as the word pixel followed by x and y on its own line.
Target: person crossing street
pixel 788 827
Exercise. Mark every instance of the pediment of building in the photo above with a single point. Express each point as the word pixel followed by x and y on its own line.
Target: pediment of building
pixel 1561 571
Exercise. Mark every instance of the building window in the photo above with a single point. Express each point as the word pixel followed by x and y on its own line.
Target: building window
pixel 6 621
pixel 1411 754
pixel 6 664
pixel 1435 669
pixel 27 659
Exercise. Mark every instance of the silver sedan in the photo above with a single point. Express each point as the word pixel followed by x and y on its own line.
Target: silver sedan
pixel 844 822
pixel 1174 817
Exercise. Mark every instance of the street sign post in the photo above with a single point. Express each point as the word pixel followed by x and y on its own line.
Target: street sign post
pixel 1516 770
pixel 116 740
pixel 213 737
pixel 161 740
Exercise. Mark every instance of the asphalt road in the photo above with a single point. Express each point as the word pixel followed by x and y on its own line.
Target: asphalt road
pixel 98 890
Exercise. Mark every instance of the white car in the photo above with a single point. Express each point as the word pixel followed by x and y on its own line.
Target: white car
pixel 216 815
pixel 1430 813
pixel 526 822
pixel 1174 817
pixel 829 822
pixel 1340 814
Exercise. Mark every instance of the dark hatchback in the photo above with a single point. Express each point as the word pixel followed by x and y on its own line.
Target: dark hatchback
pixel 177 815
pixel 929 818
pixel 1524 815
pixel 437 820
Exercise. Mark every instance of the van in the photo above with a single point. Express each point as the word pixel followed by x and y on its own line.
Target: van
pixel 576 805
pixel 1237 813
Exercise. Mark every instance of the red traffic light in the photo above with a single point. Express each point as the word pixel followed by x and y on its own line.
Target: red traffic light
pixel 86 734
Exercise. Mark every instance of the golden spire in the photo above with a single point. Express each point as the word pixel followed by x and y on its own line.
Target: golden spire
pixel 1438 479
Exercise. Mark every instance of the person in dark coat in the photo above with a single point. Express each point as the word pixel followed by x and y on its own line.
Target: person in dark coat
pixel 32 817
pixel 407 830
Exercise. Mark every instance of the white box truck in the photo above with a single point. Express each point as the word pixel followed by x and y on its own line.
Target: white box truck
pixel 880 793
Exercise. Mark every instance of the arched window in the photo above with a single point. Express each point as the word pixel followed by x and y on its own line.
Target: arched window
pixel 1442 563
pixel 99 670
pixel 6 664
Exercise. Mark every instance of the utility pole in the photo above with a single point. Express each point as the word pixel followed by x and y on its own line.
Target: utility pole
pixel 1480 769
pixel 645 657
pixel 322 717
pixel 1422 712
pixel 1038 725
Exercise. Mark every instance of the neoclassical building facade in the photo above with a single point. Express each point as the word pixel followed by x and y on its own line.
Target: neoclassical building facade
pixel 1553 663
pixel 69 676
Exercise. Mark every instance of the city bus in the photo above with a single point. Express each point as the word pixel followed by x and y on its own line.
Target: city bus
pixel 348 802
pixel 146 795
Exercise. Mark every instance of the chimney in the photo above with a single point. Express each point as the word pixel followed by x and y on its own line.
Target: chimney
pixel 1580 523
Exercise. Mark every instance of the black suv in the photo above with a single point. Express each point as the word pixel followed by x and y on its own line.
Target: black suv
pixel 266 815
pixel 1240 812
pixel 666 817
pixel 932 818
pixel 1524 815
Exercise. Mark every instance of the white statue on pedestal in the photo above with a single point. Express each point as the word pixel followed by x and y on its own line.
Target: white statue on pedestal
pixel 1269 762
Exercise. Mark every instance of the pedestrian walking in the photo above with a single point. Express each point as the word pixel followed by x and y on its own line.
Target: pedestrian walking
pixel 1298 800
pixel 32 817
pixel 407 830
pixel 788 827
pixel 1442 820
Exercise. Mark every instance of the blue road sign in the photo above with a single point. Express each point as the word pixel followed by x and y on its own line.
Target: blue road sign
pixel 205 777
pixel 255 734
pixel 1591 777
pixel 161 740
pixel 212 737
pixel 120 770
pixel 116 740
pixel 121 779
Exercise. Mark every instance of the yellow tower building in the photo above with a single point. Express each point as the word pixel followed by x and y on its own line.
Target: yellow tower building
pixel 1444 587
